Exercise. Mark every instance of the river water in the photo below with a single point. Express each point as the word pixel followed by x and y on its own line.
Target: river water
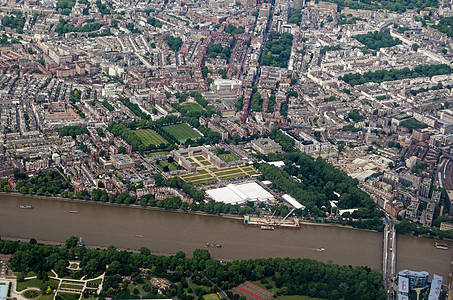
pixel 169 232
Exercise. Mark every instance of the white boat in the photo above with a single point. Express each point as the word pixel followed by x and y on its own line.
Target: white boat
pixel 26 206
pixel 320 249
pixel 74 211
pixel 442 246
pixel 267 227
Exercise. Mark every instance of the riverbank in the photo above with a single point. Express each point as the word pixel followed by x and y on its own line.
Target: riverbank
pixel 136 206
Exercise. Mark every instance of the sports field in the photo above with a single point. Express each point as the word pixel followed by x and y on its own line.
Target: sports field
pixel 150 137
pixel 192 107
pixel 181 132
pixel 252 292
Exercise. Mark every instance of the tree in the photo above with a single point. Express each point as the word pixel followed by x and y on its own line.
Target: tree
pixel 72 242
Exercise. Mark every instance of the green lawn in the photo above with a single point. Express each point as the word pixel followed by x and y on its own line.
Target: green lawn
pixel 200 158
pixel 237 175
pixel 150 137
pixel 71 286
pixel 171 166
pixel 47 297
pixel 73 266
pixel 29 283
pixel 192 107
pixel 229 172
pixel 202 171
pixel 211 297
pixel 204 181
pixel 205 163
pixel 227 157
pixel 181 132
pixel 66 296
pixel 97 281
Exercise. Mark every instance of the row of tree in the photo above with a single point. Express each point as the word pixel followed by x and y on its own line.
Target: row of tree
pixel 396 74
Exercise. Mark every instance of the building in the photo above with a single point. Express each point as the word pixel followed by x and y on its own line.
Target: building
pixel 3 291
pixel 436 287
pixel 122 161
pixel 416 279
pixel 266 146
pixel 240 193
pixel 444 226
pixel 403 286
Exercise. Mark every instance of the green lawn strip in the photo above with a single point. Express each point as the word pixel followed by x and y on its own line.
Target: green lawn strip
pixel 200 158
pixel 206 163
pixel 67 296
pixel 204 181
pixel 96 281
pixel 189 159
pixel 158 153
pixel 149 136
pixel 227 157
pixel 226 169
pixel 213 169
pixel 29 283
pixel 202 171
pixel 228 172
pixel 71 286
pixel 251 172
pixel 198 177
pixel 226 177
pixel 247 168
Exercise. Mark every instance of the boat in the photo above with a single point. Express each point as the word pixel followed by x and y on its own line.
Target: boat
pixel 442 246
pixel 267 227
pixel 320 249
pixel 73 211
pixel 26 206
pixel 213 245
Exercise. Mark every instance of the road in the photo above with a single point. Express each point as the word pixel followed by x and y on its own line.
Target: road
pixel 389 256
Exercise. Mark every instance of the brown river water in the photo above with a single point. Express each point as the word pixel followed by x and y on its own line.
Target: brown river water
pixel 169 232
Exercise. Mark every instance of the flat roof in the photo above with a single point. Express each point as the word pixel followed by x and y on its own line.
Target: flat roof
pixel 436 287
pixel 3 291
pixel 403 284
pixel 292 201
pixel 240 193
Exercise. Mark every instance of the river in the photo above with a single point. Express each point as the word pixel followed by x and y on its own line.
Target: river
pixel 169 232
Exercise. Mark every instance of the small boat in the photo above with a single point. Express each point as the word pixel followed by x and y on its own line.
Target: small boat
pixel 320 249
pixel 442 246
pixel 213 245
pixel 26 206
pixel 74 211
pixel 267 227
